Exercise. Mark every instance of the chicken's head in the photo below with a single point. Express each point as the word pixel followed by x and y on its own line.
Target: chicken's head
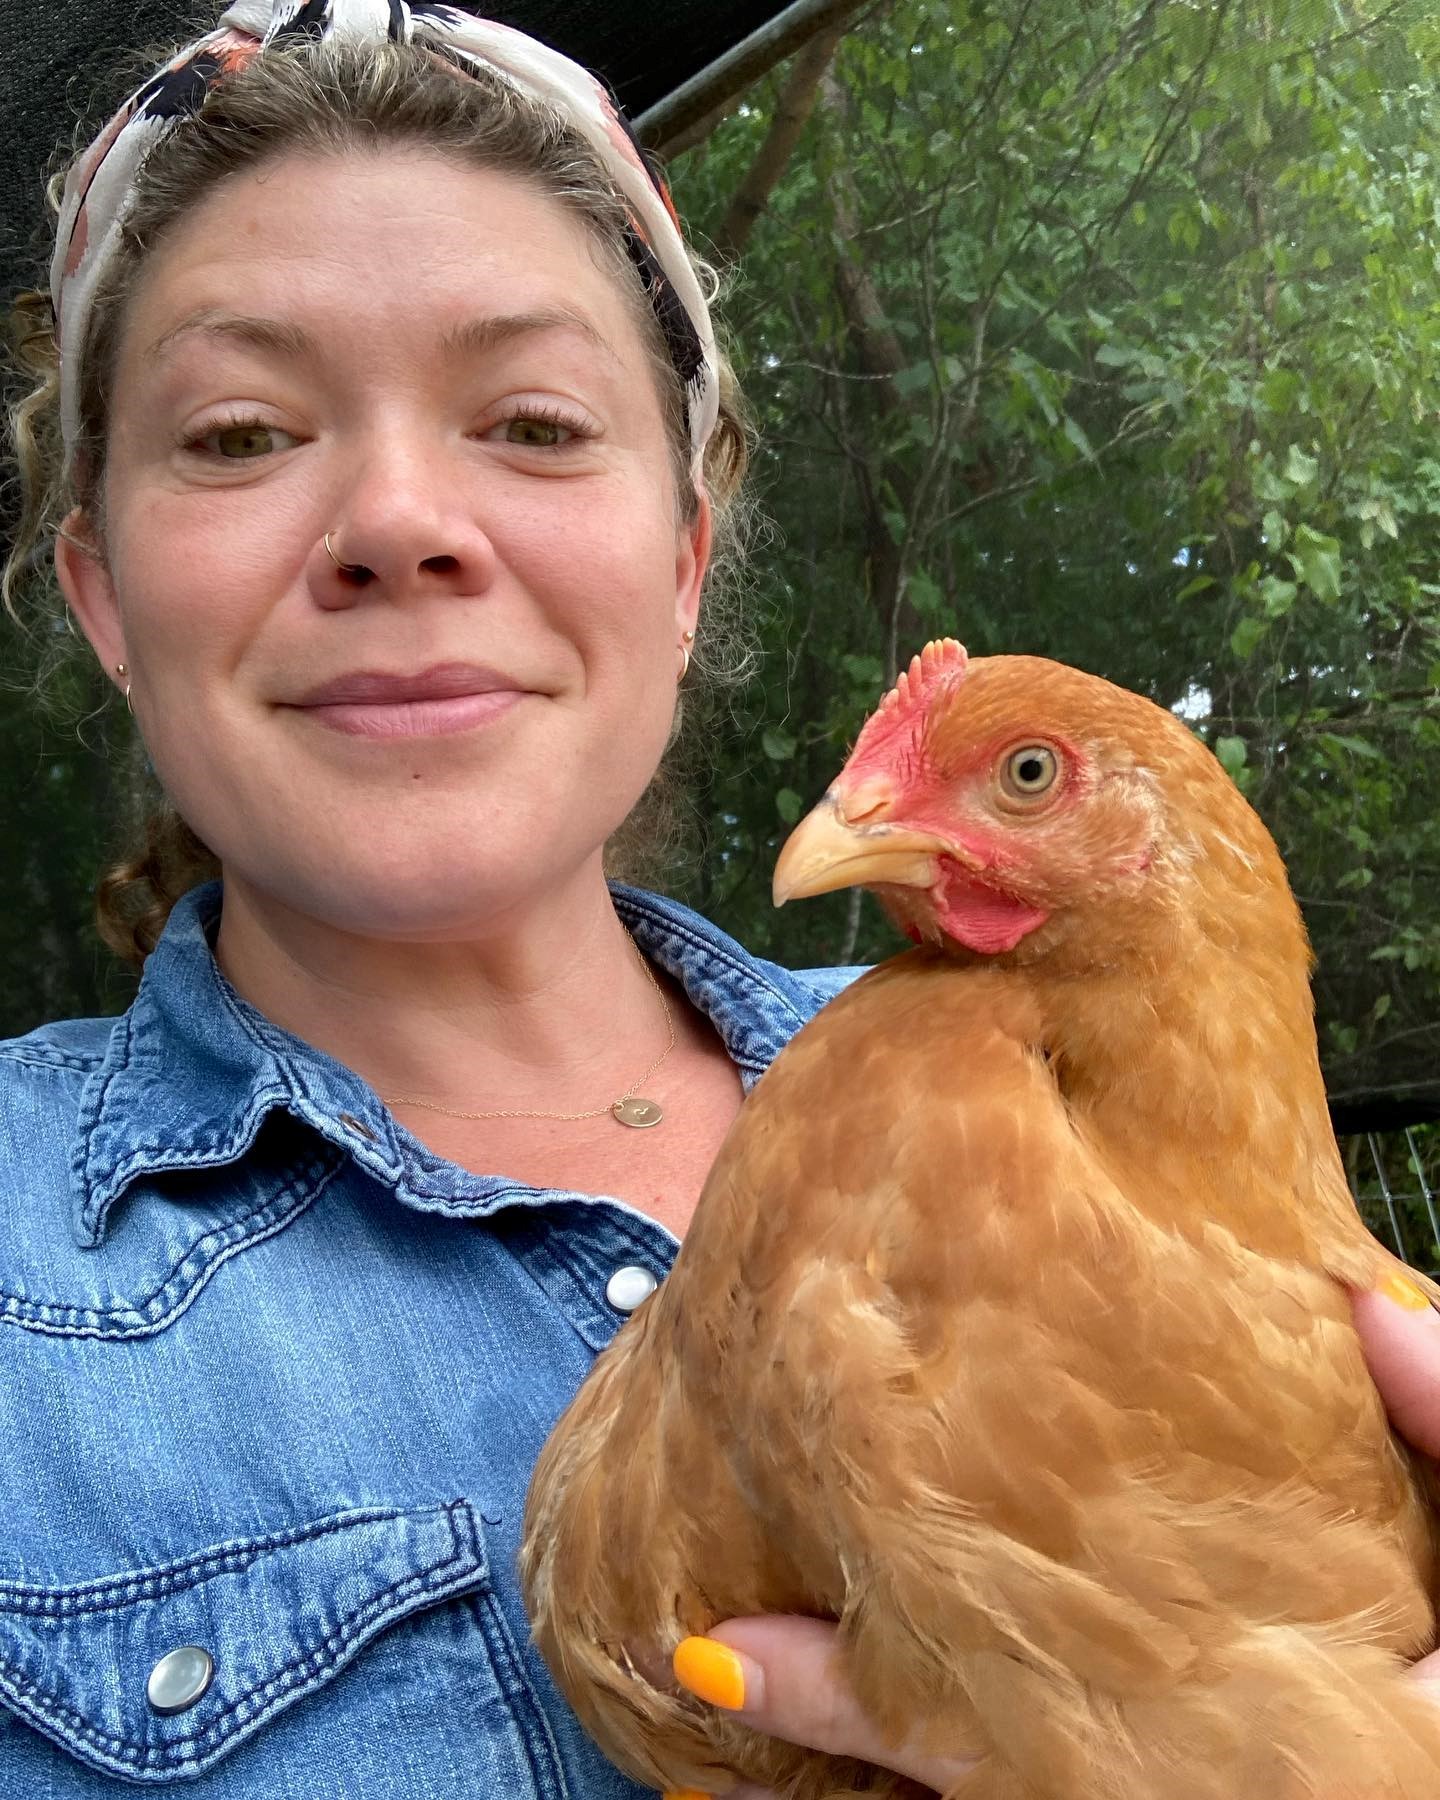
pixel 1011 800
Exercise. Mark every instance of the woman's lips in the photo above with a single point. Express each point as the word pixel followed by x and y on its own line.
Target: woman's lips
pixel 432 702
pixel 413 718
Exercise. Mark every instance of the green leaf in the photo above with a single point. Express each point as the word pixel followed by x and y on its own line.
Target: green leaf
pixel 1037 386
pixel 1352 745
pixel 1300 467
pixel 1078 438
pixel 789 805
pixel 1247 636
pixel 1277 596
pixel 866 672
pixel 1232 754
pixel 778 745
pixel 1316 560
pixel 1196 585
pixel 914 380
pixel 927 596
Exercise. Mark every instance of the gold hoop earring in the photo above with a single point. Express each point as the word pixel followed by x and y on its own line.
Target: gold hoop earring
pixel 122 672
pixel 684 665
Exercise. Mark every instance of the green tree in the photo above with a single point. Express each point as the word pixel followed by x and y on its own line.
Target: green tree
pixel 1109 332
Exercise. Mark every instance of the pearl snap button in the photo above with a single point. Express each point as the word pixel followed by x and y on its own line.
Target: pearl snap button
pixel 627 1287
pixel 178 1680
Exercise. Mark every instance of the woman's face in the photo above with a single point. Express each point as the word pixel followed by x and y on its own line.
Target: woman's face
pixel 429 363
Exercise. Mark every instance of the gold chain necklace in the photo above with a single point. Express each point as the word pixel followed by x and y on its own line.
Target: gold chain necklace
pixel 630 1109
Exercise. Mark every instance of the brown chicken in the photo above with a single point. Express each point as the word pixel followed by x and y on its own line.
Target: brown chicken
pixel 1010 1330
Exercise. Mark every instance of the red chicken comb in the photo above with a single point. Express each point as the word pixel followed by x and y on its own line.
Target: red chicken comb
pixel 940 665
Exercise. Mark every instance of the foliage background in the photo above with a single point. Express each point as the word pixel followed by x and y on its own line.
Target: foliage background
pixel 1101 329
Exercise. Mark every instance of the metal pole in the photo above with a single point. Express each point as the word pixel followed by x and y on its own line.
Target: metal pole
pixel 738 67
pixel 1417 1163
pixel 1389 1197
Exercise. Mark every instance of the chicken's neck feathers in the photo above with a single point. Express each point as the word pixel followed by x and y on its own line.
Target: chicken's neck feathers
pixel 1196 1050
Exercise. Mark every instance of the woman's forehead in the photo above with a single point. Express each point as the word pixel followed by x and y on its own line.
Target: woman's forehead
pixel 470 256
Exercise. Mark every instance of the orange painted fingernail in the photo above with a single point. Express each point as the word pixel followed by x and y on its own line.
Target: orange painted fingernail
pixel 1403 1293
pixel 710 1671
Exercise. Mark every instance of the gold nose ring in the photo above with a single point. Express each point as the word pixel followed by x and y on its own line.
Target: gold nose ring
pixel 344 568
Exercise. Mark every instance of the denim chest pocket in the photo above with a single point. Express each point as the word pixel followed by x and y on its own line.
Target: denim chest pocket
pixel 276 1617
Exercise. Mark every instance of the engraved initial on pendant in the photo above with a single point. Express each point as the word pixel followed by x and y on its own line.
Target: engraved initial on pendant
pixel 637 1112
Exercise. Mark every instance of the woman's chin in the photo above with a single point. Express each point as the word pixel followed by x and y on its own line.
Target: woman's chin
pixel 426 896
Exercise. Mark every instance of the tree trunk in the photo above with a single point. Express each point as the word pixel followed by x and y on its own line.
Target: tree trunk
pixel 879 353
pixel 792 111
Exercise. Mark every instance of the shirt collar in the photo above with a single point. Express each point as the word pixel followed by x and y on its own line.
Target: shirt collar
pixel 192 1071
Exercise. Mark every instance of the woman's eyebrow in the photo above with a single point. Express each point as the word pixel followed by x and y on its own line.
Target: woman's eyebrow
pixel 277 335
pixel 476 336
pixel 281 337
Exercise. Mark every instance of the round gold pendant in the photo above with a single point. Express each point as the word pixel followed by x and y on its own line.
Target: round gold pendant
pixel 637 1112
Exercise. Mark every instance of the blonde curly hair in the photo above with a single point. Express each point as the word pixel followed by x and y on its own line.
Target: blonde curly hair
pixel 328 97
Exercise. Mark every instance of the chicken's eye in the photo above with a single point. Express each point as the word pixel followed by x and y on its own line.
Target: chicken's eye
pixel 1030 770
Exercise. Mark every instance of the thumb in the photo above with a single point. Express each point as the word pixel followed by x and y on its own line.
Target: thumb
pixel 1427 1673
pixel 1400 1334
pixel 781 1674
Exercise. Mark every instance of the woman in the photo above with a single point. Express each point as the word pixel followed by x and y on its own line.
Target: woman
pixel 389 441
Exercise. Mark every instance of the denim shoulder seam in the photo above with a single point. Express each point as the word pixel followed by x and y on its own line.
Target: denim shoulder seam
pixel 752 968
pixel 35 1056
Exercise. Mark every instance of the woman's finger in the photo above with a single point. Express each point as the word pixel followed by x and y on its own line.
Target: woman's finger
pixel 780 1674
pixel 1427 1673
pixel 1400 1333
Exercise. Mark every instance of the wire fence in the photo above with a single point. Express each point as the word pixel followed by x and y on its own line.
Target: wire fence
pixel 1395 1178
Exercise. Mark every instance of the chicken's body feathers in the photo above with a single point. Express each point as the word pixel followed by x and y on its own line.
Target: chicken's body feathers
pixel 1008 1332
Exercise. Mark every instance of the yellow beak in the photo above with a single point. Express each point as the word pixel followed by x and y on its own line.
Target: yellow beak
pixel 827 850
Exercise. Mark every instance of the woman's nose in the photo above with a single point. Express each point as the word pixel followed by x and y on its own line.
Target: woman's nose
pixel 405 530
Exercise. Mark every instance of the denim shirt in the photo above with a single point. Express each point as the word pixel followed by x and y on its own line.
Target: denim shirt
pixel 273 1377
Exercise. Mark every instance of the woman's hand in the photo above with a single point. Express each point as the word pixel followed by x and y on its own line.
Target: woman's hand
pixel 776 1672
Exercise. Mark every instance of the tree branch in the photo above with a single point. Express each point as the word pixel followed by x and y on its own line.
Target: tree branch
pixel 792 112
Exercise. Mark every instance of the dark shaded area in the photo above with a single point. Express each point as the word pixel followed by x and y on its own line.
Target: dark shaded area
pixel 1386 1112
pixel 59 67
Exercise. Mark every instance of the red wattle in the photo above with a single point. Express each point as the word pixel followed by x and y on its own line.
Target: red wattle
pixel 980 917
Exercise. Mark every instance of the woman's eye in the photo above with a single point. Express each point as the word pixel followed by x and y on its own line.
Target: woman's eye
pixel 245 440
pixel 537 432
pixel 1030 770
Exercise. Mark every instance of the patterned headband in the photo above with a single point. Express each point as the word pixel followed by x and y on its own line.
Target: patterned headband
pixel 101 186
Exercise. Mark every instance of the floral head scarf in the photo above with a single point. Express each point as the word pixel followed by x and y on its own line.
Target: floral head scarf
pixel 101 186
